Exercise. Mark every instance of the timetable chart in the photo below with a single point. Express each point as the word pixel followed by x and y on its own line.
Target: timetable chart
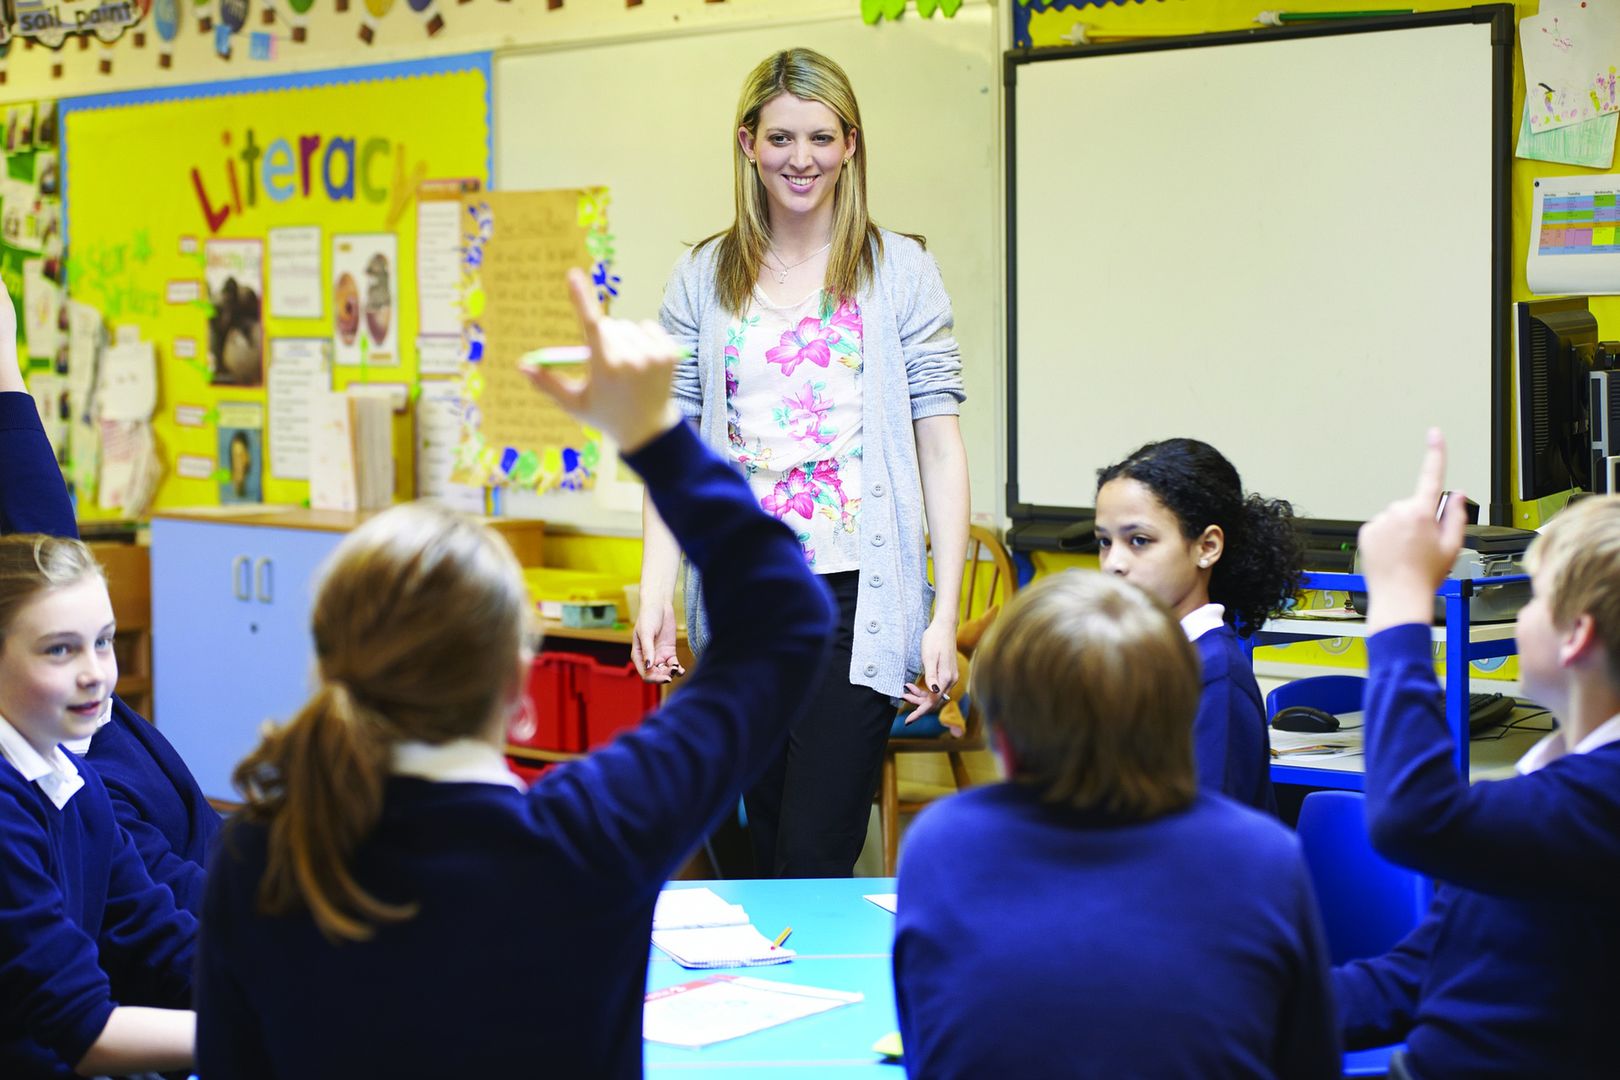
pixel 1580 224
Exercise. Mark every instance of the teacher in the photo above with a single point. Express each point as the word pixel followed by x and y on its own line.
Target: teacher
pixel 823 362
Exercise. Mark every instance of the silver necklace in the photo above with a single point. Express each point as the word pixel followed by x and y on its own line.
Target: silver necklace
pixel 781 271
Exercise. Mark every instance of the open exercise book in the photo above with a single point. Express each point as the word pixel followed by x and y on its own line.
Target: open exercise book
pixel 723 1007
pixel 697 929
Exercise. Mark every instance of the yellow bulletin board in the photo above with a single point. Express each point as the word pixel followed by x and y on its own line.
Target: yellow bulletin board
pixel 218 221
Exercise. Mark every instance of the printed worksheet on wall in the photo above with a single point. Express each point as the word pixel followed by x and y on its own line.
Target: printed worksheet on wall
pixel 1575 235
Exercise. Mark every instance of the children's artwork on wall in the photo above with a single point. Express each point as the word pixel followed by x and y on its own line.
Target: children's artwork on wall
pixel 45 128
pixel 1571 52
pixel 19 127
pixel 47 173
pixel 517 247
pixel 166 21
pixel 271 209
pixel 241 452
pixel 365 298
pixel 234 273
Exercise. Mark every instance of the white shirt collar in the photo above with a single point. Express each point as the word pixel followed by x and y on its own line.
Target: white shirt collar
pixel 1195 624
pixel 55 775
pixel 1552 748
pixel 459 761
pixel 81 747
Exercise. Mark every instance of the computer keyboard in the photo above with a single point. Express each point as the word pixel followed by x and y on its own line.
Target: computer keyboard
pixel 1488 711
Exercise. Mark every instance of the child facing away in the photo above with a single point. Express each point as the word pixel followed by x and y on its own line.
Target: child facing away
pixel 1172 518
pixel 390 902
pixel 1512 973
pixel 82 925
pixel 1098 914
pixel 154 796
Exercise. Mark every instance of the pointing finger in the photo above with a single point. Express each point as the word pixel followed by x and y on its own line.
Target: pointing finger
pixel 1432 474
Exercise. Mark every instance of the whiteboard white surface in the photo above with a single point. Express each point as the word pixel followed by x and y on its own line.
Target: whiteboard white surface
pixel 1282 248
pixel 652 120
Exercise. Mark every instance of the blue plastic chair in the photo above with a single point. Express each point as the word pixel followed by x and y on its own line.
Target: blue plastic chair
pixel 1367 902
pixel 1330 693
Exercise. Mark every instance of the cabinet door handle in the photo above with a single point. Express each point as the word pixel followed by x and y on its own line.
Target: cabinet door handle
pixel 240 586
pixel 264 581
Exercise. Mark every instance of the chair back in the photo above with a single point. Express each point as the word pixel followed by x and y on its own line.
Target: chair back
pixel 1330 693
pixel 1367 902
pixel 988 580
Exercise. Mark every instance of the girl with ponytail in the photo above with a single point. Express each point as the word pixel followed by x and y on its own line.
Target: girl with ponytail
pixel 391 901
pixel 1173 519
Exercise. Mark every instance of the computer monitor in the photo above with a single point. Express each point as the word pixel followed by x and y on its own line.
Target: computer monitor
pixel 1554 343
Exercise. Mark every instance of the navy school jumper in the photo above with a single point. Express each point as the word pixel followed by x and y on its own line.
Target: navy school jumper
pixel 1513 971
pixel 1036 941
pixel 153 793
pixel 529 951
pixel 1230 743
pixel 82 927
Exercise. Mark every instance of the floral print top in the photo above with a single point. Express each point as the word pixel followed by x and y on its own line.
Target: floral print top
pixel 793 419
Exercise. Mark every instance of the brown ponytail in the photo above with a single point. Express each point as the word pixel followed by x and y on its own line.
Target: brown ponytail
pixel 418 624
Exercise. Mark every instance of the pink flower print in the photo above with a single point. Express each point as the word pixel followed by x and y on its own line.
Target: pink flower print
pixel 847 318
pixel 808 341
pixel 810 411
pixel 826 472
pixel 793 492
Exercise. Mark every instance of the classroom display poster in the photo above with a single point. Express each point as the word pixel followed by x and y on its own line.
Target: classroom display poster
pixel 365 298
pixel 241 452
pixel 516 249
pixel 252 204
pixel 234 272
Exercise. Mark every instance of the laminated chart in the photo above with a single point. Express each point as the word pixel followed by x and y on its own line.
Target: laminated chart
pixel 1575 235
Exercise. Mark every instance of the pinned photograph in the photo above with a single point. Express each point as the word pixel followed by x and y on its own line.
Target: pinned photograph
pixel 234 272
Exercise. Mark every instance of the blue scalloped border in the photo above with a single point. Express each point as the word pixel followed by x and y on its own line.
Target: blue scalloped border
pixel 481 62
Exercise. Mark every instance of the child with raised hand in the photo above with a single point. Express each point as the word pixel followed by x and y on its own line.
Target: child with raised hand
pixel 1098 914
pixel 154 796
pixel 1512 971
pixel 390 901
pixel 1172 518
pixel 82 925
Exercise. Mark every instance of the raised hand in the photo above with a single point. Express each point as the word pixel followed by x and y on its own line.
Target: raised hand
pixel 625 391
pixel 1405 552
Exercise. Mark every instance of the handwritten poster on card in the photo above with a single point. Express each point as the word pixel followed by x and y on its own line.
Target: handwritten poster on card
pixel 516 248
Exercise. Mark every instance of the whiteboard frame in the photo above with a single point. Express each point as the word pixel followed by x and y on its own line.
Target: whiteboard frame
pixel 1046 526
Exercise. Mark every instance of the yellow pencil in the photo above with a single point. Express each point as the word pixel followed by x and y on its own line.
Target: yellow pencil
pixel 783 936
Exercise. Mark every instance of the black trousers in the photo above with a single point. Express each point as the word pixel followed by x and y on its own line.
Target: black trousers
pixel 807 815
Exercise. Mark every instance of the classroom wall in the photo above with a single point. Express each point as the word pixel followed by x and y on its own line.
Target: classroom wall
pixel 332 38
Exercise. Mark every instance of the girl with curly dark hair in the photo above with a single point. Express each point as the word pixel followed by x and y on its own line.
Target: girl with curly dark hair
pixel 1173 519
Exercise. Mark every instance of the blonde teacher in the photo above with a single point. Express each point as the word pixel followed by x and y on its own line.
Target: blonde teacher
pixel 823 364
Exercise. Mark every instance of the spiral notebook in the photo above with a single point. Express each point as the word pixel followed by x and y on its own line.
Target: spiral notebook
pixel 721 946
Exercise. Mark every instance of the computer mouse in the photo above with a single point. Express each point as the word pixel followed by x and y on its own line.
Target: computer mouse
pixel 1304 718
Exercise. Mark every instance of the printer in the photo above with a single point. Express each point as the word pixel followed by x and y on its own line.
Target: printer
pixel 1488 551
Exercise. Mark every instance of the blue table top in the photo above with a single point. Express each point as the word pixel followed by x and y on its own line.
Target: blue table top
pixel 843 943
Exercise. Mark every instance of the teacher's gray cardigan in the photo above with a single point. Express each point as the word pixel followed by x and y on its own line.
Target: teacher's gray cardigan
pixel 911 368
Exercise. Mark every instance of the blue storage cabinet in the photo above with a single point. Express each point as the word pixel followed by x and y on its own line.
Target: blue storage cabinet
pixel 230 635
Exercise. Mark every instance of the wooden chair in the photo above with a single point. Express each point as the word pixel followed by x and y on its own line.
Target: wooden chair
pixel 129 586
pixel 981 591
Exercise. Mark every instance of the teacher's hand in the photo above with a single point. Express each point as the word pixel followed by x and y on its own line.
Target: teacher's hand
pixel 939 670
pixel 652 644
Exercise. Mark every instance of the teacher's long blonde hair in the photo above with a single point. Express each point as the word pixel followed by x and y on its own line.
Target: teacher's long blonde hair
pixel 856 242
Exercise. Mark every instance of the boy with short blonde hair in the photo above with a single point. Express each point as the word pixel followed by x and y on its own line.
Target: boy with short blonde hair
pixel 1513 971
